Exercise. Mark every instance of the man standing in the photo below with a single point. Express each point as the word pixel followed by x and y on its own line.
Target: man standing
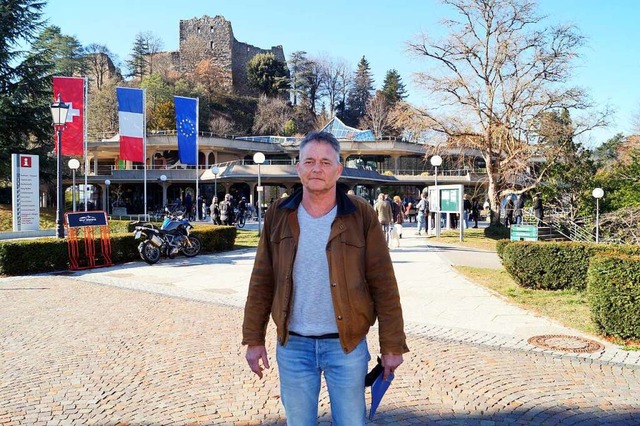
pixel 385 215
pixel 323 272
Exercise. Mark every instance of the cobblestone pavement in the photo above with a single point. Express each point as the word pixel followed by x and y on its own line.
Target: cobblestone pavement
pixel 74 352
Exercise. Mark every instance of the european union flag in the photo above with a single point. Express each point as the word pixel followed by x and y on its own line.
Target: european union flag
pixel 187 129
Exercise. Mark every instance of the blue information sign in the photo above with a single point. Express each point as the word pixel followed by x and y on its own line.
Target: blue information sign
pixel 79 219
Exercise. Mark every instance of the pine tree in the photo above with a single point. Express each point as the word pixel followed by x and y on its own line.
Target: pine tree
pixel 360 94
pixel 25 86
pixel 393 88
pixel 137 62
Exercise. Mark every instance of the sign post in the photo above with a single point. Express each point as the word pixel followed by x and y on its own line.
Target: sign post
pixel 25 190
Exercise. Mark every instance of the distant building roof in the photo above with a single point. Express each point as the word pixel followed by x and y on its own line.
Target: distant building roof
pixel 341 131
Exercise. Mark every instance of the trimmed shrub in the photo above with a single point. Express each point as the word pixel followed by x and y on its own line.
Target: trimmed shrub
pixel 18 257
pixel 613 286
pixel 500 245
pixel 216 238
pixel 497 232
pixel 23 257
pixel 553 265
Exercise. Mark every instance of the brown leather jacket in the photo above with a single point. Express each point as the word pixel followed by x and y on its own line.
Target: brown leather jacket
pixel 363 284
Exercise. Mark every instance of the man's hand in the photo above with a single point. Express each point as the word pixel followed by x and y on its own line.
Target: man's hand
pixel 390 362
pixel 257 353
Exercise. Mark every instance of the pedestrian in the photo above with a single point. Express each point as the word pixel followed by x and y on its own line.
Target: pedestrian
pixel 322 309
pixel 423 211
pixel 519 209
pixel 188 206
pixel 538 210
pixel 466 210
pixel 475 210
pixel 508 211
pixel 385 215
pixel 398 214
pixel 214 209
pixel 226 211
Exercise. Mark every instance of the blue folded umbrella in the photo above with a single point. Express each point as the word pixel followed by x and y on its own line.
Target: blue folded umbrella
pixel 378 388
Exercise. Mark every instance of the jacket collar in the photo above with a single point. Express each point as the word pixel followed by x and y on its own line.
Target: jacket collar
pixel 345 205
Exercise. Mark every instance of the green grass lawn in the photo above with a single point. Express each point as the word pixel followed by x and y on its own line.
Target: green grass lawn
pixel 47 218
pixel 474 238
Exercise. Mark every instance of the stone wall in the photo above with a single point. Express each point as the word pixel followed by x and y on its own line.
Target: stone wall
pixel 206 37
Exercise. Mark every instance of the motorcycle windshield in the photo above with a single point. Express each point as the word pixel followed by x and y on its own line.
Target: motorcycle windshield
pixel 170 225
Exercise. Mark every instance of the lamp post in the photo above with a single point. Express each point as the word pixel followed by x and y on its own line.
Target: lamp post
pixel 259 158
pixel 597 194
pixel 163 179
pixel 107 182
pixel 59 112
pixel 73 165
pixel 436 161
pixel 215 170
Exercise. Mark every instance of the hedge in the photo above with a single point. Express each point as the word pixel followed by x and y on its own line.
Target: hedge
pixel 23 257
pixel 613 288
pixel 553 265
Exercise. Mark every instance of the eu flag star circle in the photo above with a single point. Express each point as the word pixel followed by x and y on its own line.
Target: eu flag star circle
pixel 187 128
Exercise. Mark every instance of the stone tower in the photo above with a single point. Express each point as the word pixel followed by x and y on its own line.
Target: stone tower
pixel 206 37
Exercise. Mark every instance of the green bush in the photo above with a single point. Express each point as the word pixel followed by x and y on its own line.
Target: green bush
pixel 613 286
pixel 500 246
pixel 553 265
pixel 497 232
pixel 23 257
pixel 18 257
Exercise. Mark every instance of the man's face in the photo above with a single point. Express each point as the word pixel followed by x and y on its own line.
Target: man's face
pixel 318 168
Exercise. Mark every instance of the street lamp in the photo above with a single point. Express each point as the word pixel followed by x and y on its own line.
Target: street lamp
pixel 259 158
pixel 59 112
pixel 436 161
pixel 215 170
pixel 73 165
pixel 107 182
pixel 597 194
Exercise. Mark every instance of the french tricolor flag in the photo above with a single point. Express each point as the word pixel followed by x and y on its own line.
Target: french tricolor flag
pixel 132 123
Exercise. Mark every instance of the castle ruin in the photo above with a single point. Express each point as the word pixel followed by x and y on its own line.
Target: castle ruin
pixel 212 38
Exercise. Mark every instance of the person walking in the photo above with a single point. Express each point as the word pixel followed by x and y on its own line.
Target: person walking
pixel 519 209
pixel 323 272
pixel 475 210
pixel 398 214
pixel 214 210
pixel 385 215
pixel 538 210
pixel 466 207
pixel 423 210
pixel 226 211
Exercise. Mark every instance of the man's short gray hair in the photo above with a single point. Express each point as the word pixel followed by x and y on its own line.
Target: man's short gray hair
pixel 322 137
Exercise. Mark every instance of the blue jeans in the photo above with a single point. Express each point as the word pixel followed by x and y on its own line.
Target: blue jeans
pixel 300 364
pixel 421 222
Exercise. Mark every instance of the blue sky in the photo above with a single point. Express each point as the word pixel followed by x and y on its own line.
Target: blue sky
pixel 608 69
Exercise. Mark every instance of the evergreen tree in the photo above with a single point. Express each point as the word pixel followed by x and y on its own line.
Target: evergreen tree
pixel 63 51
pixel 360 94
pixel 137 62
pixel 25 86
pixel 297 66
pixel 267 74
pixel 393 88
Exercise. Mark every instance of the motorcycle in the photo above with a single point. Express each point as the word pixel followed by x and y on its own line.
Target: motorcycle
pixel 169 240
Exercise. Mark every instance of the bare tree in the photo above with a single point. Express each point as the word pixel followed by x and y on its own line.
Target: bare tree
pixel 334 77
pixel 496 74
pixel 100 65
pixel 271 116
pixel 377 116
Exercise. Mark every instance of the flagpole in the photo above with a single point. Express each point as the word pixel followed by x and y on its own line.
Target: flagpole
pixel 86 144
pixel 197 200
pixel 144 148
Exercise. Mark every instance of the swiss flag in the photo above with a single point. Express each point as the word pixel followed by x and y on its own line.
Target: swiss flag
pixel 71 91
